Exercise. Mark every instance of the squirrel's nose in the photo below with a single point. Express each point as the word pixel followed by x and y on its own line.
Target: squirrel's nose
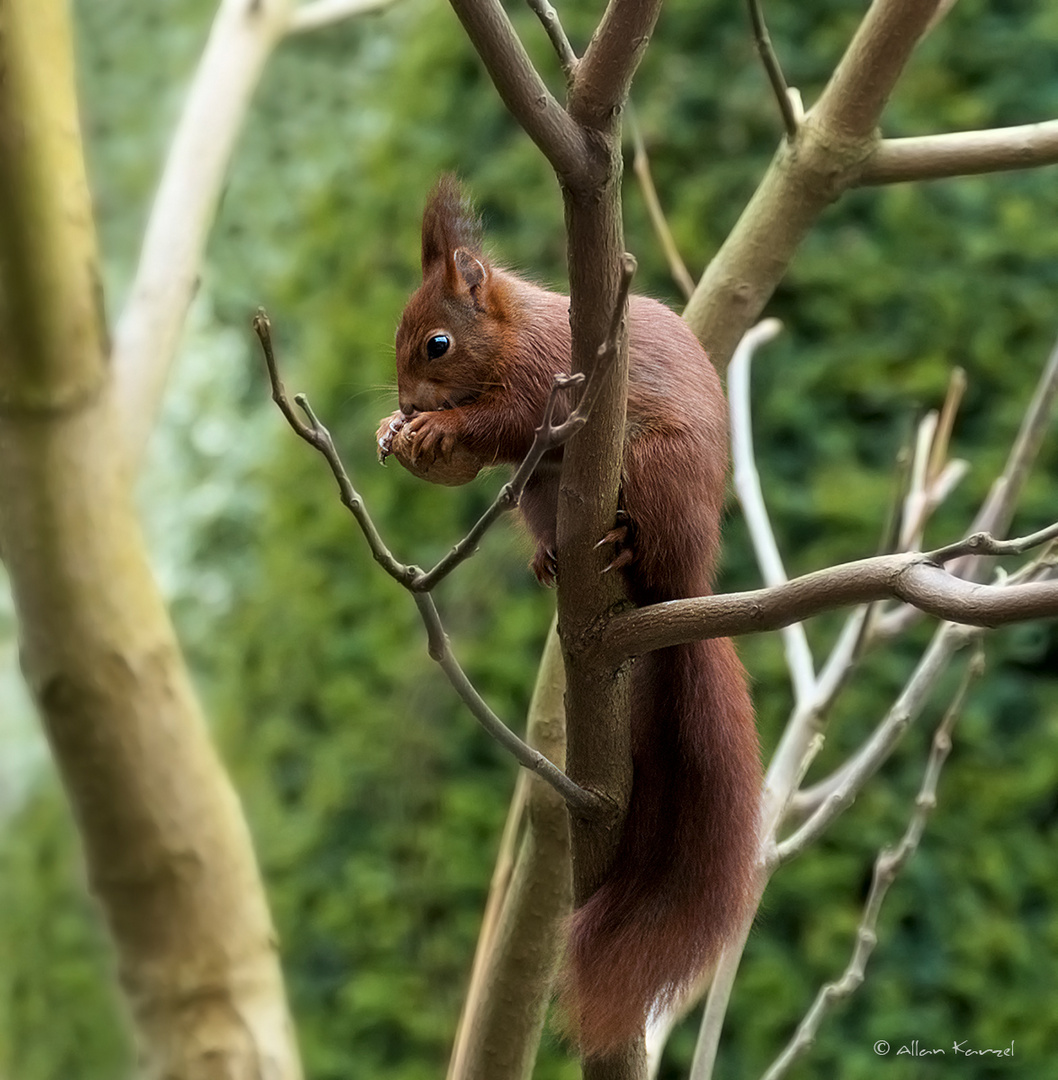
pixel 408 408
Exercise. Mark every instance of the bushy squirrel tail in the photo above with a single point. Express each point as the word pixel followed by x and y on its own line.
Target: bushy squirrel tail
pixel 683 877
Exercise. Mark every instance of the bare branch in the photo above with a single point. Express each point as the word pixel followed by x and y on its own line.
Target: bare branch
pixel 886 868
pixel 982 543
pixel 580 802
pixel 322 13
pixel 962 153
pixel 316 435
pixel 641 168
pixel 751 498
pixel 546 13
pixel 932 477
pixel 853 99
pixel 519 84
pixel 946 424
pixel 605 72
pixel 997 511
pixel 859 769
pixel 150 326
pixel 547 437
pixel 499 888
pixel 802 738
pixel 805 177
pixel 911 576
pixel 806 802
pixel 762 39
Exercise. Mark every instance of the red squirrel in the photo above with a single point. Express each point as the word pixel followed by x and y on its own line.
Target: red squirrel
pixel 477 349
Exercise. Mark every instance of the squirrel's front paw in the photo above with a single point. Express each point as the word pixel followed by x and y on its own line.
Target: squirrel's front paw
pixel 387 431
pixel 622 536
pixel 430 440
pixel 429 447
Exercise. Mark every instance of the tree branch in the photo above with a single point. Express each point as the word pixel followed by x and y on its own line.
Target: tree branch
pixel 853 99
pixel 521 88
pixel 641 168
pixel 547 15
pixel 963 153
pixel 166 849
pixel 751 498
pixel 514 967
pixel 321 13
pixel 948 639
pixel 579 800
pixel 605 72
pixel 887 866
pixel 773 69
pixel 806 175
pixel 912 576
pixel 997 511
pixel 151 323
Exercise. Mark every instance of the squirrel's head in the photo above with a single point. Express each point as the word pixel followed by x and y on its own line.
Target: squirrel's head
pixel 451 334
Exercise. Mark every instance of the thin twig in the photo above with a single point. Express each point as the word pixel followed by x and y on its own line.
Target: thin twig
pixel 584 803
pixel 946 423
pixel 982 543
pixel 946 642
pixel 887 866
pixel 747 487
pixel 762 39
pixel 321 13
pixel 998 508
pixel 317 436
pixel 915 501
pixel 933 476
pixel 547 437
pixel 579 800
pixel 546 13
pixel 641 167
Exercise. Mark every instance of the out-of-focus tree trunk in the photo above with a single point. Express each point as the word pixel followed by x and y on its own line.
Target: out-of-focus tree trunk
pixel 167 849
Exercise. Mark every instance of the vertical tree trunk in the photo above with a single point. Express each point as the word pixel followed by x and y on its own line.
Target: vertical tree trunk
pixel 168 852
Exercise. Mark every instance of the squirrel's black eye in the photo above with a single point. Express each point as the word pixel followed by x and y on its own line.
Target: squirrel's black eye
pixel 437 346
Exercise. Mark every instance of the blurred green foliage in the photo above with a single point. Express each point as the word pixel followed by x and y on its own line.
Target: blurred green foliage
pixel 375 802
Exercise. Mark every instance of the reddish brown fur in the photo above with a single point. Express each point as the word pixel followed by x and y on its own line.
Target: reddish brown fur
pixel 683 876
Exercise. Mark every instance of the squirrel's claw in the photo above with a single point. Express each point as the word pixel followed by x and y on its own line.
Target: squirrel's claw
pixel 623 558
pixel 387 430
pixel 544 565
pixel 622 537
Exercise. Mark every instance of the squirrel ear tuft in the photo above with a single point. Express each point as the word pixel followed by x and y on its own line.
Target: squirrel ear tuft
pixel 448 222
